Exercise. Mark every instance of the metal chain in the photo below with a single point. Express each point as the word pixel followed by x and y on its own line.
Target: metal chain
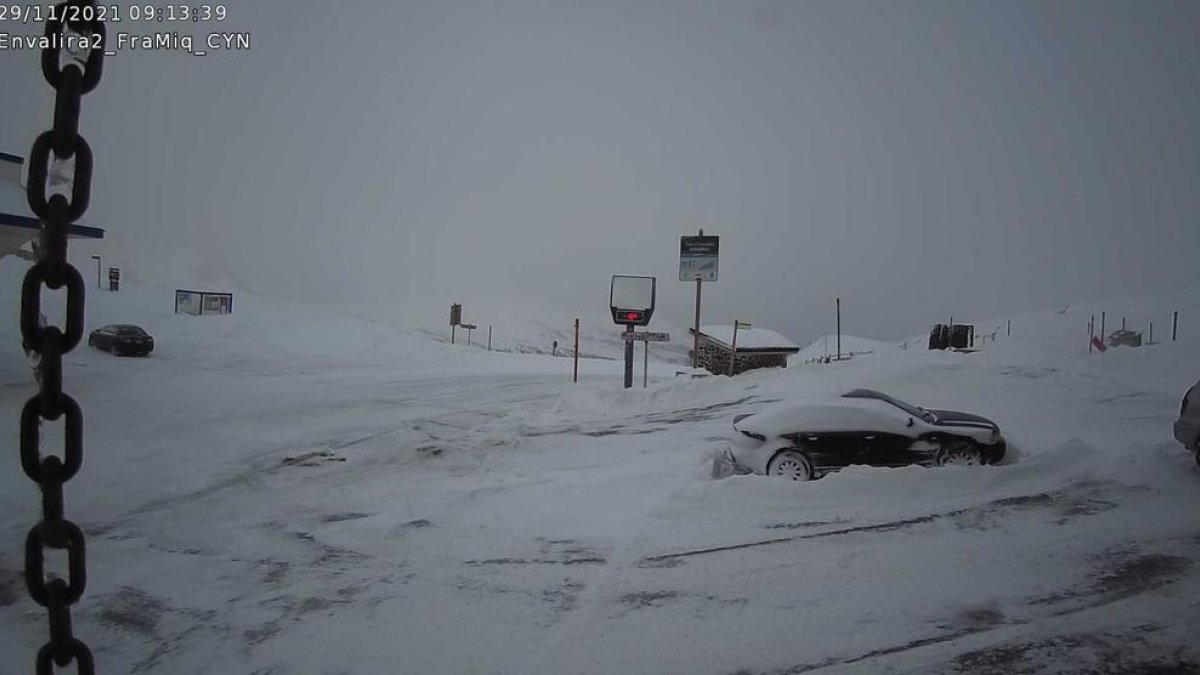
pixel 72 74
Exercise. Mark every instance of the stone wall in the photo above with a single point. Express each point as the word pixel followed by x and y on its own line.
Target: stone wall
pixel 714 357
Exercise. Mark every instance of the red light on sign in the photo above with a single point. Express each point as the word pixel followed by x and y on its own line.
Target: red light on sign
pixel 632 316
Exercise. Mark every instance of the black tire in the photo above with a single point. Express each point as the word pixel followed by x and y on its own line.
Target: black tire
pixel 961 452
pixel 791 463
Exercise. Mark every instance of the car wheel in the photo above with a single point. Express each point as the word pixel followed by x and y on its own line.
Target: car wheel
pixel 791 464
pixel 91 340
pixel 961 453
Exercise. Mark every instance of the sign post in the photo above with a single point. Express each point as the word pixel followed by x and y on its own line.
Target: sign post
pixel 470 327
pixel 455 319
pixel 733 347
pixel 698 261
pixel 631 300
pixel 645 363
pixel 628 356
pixel 629 336
pixel 839 329
pixel 97 259
pixel 575 377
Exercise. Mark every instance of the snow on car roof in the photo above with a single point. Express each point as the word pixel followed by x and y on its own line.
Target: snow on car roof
pixel 820 415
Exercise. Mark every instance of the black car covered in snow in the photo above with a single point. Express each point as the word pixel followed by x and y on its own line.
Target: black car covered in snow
pixel 122 339
pixel 805 440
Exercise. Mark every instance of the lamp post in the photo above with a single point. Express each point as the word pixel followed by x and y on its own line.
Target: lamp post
pixel 98 284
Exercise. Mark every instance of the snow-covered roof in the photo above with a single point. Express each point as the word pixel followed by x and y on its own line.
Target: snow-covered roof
pixel 748 338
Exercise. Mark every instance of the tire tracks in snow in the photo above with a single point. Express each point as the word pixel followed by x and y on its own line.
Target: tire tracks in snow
pixel 591 602
pixel 1082 501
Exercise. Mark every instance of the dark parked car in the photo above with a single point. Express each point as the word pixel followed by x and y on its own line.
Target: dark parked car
pixel 1187 427
pixel 122 339
pixel 806 440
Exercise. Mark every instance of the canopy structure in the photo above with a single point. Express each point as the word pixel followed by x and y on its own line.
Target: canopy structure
pixel 18 225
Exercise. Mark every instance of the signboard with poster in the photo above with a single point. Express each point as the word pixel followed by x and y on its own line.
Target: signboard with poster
pixel 698 257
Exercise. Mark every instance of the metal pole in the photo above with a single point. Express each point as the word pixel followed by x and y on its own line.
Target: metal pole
pixel 1009 333
pixel 628 357
pixel 1102 324
pixel 489 337
pixel 1151 340
pixel 839 329
pixel 1122 323
pixel 733 348
pixel 98 284
pixel 575 377
pixel 468 337
pixel 645 364
pixel 1091 327
pixel 452 327
pixel 696 327
pixel 1174 325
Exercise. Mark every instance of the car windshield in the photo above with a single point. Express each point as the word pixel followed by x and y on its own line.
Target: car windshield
pixel 130 330
pixel 914 410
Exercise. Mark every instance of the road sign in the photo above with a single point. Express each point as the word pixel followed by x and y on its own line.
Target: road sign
pixel 645 336
pixel 698 257
pixel 468 326
pixel 742 325
pixel 631 299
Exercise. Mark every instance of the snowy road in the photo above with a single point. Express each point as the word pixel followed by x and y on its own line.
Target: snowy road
pixel 289 516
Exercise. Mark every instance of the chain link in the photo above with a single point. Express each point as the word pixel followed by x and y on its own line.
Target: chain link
pixel 71 75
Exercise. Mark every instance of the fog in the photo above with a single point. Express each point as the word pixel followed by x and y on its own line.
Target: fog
pixel 917 159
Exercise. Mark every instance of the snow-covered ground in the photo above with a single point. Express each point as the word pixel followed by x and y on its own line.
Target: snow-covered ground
pixel 291 490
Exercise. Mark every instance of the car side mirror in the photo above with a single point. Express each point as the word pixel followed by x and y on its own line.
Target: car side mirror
pixel 910 422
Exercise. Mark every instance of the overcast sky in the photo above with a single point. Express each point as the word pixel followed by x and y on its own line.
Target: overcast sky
pixel 917 158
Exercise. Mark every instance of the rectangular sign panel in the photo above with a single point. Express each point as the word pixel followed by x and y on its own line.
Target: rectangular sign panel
pixel 631 299
pixel 698 258
pixel 646 336
pixel 200 303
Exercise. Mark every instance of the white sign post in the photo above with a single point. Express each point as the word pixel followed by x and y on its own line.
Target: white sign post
pixel 647 337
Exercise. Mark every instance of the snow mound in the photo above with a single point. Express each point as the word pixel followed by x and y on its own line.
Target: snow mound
pixel 827 346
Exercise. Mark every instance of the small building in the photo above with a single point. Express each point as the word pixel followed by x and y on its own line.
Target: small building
pixel 756 348
pixel 18 225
